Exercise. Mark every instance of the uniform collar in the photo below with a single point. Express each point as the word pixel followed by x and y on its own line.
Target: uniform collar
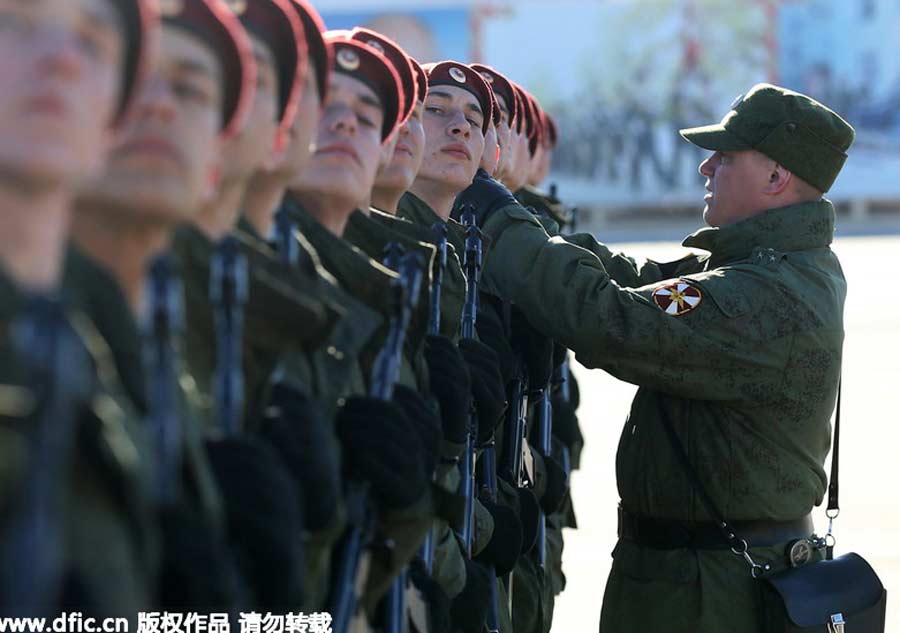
pixel 793 228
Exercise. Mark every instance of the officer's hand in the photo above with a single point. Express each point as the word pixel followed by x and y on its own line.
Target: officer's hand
pixel 485 195
pixel 293 424
pixel 537 350
pixel 263 528
pixel 491 331
pixel 505 545
pixel 448 375
pixel 469 609
pixel 425 419
pixel 487 386
pixel 382 447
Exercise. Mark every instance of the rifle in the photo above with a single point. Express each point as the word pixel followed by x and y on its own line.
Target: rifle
pixel 228 294
pixel 165 321
pixel 544 429
pixel 426 552
pixel 472 268
pixel 60 377
pixel 385 374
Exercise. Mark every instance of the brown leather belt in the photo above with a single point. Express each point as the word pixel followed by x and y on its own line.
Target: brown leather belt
pixel 669 534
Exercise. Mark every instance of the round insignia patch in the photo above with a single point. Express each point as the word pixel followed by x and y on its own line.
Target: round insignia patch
pixel 376 45
pixel 677 298
pixel 347 59
pixel 488 77
pixel 800 553
pixel 237 6
pixel 171 8
pixel 457 74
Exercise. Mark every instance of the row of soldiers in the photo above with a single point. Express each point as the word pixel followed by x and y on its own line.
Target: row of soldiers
pixel 248 360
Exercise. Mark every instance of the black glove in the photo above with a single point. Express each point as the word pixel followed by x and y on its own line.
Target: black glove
pixel 505 545
pixel 263 531
pixel 487 386
pixel 537 350
pixel 424 416
pixel 556 487
pixel 529 514
pixel 469 609
pixel 565 422
pixel 492 332
pixel 437 600
pixel 485 195
pixel 382 447
pixel 448 376
pixel 294 425
pixel 196 570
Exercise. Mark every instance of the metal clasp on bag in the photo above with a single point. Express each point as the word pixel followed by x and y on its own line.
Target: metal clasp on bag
pixel 836 625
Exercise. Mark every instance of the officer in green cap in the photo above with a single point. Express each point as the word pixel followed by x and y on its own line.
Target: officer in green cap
pixel 737 350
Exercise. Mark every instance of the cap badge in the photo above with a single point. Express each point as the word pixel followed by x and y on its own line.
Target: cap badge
pixel 488 77
pixel 347 59
pixel 677 298
pixel 737 102
pixel 376 45
pixel 171 8
pixel 457 74
pixel 238 7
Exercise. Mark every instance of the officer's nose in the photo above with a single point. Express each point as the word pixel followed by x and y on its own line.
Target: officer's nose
pixel 708 167
pixel 157 98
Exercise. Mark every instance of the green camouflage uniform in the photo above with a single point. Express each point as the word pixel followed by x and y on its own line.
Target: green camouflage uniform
pixel 762 347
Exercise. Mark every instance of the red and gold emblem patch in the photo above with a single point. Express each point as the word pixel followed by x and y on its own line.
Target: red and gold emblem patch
pixel 677 298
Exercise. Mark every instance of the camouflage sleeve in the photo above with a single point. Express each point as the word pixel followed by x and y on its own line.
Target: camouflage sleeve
pixel 630 272
pixel 682 336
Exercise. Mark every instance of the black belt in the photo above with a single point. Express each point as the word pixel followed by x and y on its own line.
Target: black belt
pixel 669 534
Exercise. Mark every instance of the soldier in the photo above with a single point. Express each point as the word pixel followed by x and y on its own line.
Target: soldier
pixel 506 116
pixel 75 532
pixel 723 346
pixel 162 169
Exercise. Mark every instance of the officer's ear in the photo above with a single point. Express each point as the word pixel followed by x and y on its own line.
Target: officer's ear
pixel 779 180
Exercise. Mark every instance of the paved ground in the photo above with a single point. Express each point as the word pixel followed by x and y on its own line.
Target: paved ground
pixel 870 443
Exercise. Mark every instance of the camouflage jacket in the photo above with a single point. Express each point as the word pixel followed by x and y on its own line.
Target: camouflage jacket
pixel 740 348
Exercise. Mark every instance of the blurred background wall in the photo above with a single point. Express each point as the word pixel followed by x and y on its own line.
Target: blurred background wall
pixel 622 76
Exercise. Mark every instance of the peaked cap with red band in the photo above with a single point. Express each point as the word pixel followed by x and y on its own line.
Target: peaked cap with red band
pixel 141 21
pixel 278 26
pixel 216 24
pixel 502 87
pixel 450 73
pixel 321 55
pixel 421 80
pixel 398 57
pixel 550 131
pixel 362 62
pixel 536 137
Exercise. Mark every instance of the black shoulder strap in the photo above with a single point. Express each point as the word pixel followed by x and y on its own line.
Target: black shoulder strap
pixel 833 482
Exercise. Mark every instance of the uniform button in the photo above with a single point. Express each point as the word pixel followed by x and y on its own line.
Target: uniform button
pixel 791 127
pixel 335 352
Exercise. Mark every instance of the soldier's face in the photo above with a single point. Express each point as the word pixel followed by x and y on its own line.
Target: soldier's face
pixel 520 161
pixel 348 143
pixel 253 146
pixel 540 166
pixel 503 141
pixel 401 172
pixel 491 156
pixel 454 142
pixel 304 127
pixel 60 80
pixel 735 181
pixel 161 167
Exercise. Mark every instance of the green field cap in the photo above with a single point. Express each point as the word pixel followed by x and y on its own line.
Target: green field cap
pixel 792 129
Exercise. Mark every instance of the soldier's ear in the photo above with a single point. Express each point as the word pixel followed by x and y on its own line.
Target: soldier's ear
pixel 779 180
pixel 277 155
pixel 213 179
